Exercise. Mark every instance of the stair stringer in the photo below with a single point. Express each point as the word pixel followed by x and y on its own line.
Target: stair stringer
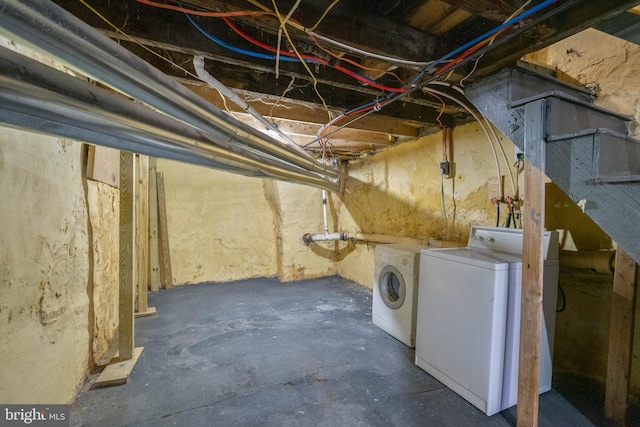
pixel 570 159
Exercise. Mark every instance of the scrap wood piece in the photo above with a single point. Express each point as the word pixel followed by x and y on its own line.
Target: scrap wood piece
pixel 166 277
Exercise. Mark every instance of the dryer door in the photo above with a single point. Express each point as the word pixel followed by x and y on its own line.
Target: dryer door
pixel 391 287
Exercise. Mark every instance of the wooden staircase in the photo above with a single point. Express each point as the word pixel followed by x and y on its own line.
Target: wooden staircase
pixel 588 152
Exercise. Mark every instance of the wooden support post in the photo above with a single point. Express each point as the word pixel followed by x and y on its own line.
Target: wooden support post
pixel 127 267
pixel 118 372
pixel 620 338
pixel 166 278
pixel 532 266
pixel 154 257
pixel 142 236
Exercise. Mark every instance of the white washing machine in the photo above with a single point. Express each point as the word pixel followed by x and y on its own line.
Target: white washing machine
pixel 469 316
pixel 395 290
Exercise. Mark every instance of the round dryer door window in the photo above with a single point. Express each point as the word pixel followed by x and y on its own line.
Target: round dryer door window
pixel 391 287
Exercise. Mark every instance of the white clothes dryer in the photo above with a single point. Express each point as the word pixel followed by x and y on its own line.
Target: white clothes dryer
pixel 395 290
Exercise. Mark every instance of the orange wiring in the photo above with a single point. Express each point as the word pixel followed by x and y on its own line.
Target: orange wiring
pixel 203 13
pixel 441 110
pixel 256 12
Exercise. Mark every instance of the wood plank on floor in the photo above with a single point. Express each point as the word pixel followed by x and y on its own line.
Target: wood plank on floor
pixel 118 372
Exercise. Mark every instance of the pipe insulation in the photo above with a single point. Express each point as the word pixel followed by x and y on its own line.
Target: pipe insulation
pixel 325 237
pixel 48 28
pixel 596 261
pixel 36 97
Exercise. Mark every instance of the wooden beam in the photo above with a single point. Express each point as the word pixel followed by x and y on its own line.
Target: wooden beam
pixel 142 236
pixel 166 277
pixel 558 23
pixel 532 266
pixel 127 256
pixel 118 371
pixel 304 111
pixel 304 133
pixel 361 29
pixel 493 10
pixel 340 92
pixel 621 337
pixel 154 257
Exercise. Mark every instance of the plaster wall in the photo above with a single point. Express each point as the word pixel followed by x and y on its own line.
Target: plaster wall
pixel 605 63
pixel 397 192
pixel 300 212
pixel 44 269
pixel 220 225
pixel 225 227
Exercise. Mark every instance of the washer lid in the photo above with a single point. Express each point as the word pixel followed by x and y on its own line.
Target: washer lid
pixel 509 240
pixel 476 257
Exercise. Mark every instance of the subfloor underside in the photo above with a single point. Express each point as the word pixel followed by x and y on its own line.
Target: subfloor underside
pixel 263 353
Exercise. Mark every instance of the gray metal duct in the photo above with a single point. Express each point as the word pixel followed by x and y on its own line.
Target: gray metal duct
pixel 50 29
pixel 36 97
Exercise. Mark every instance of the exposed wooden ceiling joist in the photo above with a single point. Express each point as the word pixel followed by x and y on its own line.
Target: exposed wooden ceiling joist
pixel 416 30
pixel 309 112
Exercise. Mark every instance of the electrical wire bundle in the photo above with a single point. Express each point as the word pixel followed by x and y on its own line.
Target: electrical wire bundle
pixel 429 71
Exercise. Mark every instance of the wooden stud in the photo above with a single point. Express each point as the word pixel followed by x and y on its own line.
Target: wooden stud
pixel 127 257
pixel 620 337
pixel 532 266
pixel 154 258
pixel 142 236
pixel 119 370
pixel 166 278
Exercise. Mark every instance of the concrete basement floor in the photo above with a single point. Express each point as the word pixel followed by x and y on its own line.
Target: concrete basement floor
pixel 263 353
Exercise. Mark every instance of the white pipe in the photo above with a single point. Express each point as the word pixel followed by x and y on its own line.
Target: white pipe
pixel 324 211
pixel 198 65
pixel 325 237
pixel 359 236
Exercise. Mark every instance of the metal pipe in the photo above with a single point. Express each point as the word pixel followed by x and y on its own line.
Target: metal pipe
pixel 50 29
pixel 34 96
